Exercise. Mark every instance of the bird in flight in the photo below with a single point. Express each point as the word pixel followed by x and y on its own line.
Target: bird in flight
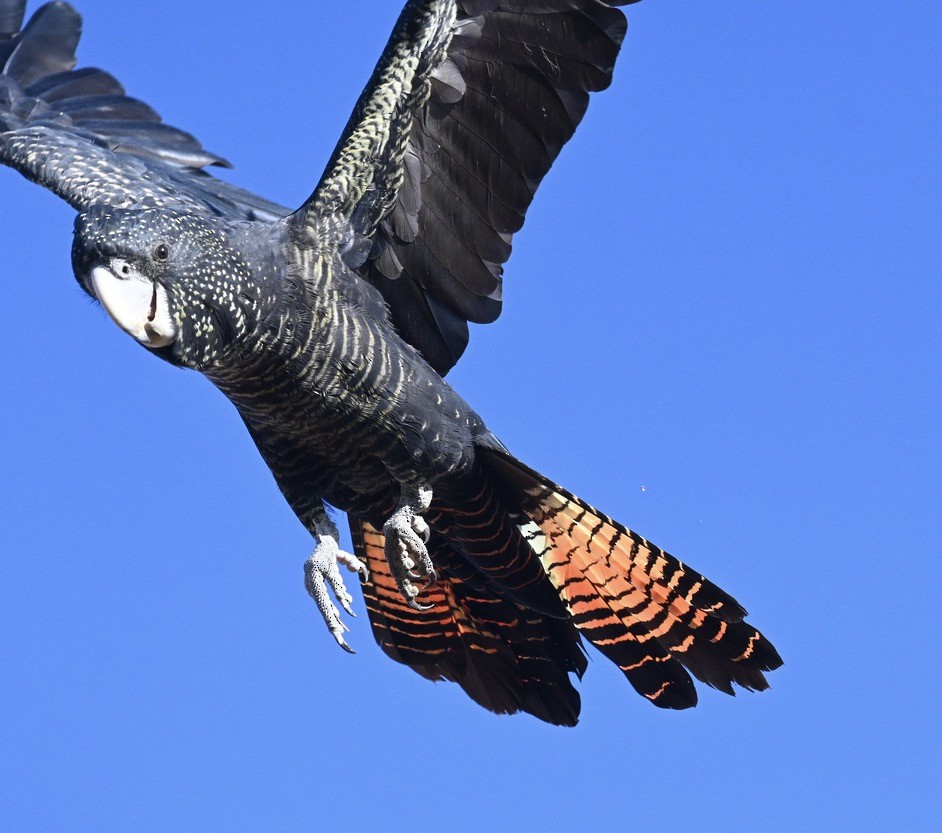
pixel 331 329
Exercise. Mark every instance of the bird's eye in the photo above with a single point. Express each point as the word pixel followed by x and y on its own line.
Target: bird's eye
pixel 161 252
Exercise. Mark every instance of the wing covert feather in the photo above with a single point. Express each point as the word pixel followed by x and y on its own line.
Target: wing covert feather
pixel 466 111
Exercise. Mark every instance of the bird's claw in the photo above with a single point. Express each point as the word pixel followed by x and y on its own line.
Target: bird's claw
pixel 321 571
pixel 407 534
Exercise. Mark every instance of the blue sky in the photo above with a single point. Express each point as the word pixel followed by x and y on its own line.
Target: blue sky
pixel 721 327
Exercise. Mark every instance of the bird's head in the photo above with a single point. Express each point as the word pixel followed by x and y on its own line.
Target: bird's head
pixel 173 281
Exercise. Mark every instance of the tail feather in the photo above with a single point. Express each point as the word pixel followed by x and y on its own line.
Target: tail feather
pixel 525 567
pixel 600 605
pixel 648 612
pixel 471 516
pixel 428 640
pixel 654 572
pixel 505 657
pixel 700 623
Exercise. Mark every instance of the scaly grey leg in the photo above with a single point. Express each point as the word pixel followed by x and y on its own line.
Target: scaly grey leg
pixel 407 533
pixel 321 570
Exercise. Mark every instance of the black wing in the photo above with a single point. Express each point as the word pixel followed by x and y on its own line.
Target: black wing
pixel 468 107
pixel 78 134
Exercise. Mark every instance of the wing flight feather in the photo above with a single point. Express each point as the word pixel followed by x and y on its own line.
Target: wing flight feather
pixel 463 116
pixel 77 133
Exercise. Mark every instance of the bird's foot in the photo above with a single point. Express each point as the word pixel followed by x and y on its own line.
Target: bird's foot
pixel 321 571
pixel 407 533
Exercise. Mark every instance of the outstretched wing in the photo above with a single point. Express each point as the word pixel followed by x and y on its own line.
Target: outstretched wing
pixel 77 133
pixel 468 107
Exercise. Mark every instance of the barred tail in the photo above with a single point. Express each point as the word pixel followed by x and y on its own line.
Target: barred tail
pixel 524 569
pixel 650 614
pixel 505 657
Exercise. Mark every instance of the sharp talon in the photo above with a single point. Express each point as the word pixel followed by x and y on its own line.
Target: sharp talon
pixel 416 606
pixel 429 578
pixel 343 644
pixel 337 633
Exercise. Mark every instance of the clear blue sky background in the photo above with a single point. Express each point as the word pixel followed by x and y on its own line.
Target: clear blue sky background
pixel 721 326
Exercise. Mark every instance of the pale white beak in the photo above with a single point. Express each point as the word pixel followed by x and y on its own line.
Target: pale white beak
pixel 138 305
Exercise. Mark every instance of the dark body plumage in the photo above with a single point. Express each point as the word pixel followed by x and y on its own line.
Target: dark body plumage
pixel 331 328
pixel 327 375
